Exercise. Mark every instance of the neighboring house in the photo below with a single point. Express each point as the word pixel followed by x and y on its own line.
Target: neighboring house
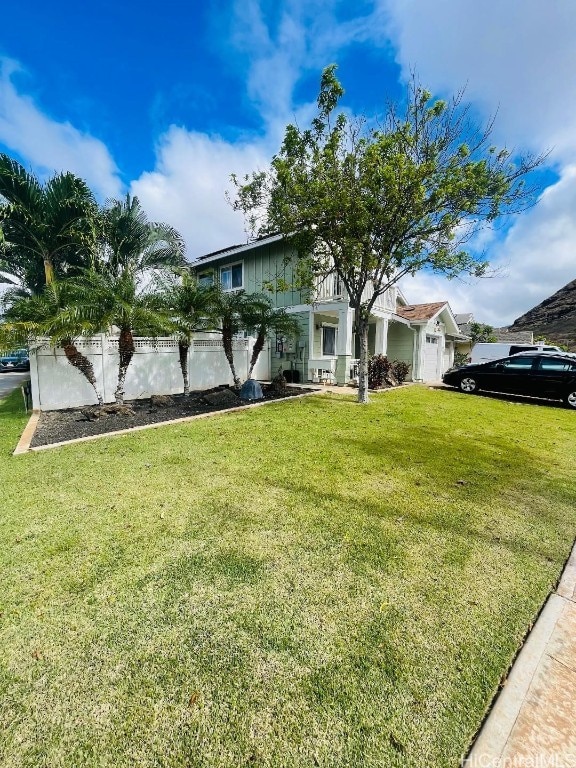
pixel 505 335
pixel 327 349
pixel 502 335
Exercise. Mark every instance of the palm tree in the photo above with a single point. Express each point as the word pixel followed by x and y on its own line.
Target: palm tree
pixel 105 301
pixel 47 230
pixel 228 311
pixel 129 242
pixel 111 295
pixel 189 307
pixel 260 316
pixel 53 313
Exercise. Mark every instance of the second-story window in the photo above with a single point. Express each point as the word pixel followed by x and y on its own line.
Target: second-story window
pixel 232 277
pixel 206 278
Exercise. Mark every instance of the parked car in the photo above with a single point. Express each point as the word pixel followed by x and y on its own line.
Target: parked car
pixel 484 351
pixel 17 360
pixel 551 376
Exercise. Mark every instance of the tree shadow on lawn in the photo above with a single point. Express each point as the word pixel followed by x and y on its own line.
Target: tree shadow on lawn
pixel 480 472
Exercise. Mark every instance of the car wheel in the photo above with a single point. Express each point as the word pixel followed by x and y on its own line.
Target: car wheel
pixel 468 385
pixel 570 399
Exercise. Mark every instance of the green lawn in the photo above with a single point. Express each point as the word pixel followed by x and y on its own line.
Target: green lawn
pixel 312 583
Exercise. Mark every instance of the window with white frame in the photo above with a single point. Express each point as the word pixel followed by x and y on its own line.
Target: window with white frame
pixel 329 340
pixel 232 276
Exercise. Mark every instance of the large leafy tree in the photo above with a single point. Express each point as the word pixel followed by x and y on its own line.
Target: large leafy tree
pixel 47 231
pixel 480 332
pixel 374 204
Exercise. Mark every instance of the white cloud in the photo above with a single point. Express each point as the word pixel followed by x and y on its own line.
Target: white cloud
pixel 192 173
pixel 49 145
pixel 519 58
pixel 187 188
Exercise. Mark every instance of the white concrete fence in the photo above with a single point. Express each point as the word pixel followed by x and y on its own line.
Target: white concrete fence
pixel 154 370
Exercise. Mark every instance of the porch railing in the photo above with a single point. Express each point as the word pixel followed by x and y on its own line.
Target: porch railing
pixel 331 288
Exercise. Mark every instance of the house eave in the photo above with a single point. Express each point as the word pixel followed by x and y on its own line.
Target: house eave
pixel 234 250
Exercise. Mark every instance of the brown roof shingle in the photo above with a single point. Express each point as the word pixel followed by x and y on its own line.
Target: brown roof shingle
pixel 420 311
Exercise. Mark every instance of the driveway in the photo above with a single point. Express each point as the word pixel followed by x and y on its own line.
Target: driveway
pixel 9 381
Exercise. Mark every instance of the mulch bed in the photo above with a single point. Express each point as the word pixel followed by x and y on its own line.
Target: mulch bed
pixel 72 423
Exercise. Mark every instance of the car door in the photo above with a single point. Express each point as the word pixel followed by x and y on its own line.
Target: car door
pixel 512 374
pixel 552 375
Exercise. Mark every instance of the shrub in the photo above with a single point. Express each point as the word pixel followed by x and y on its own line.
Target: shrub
pixel 378 369
pixel 461 358
pixel 400 370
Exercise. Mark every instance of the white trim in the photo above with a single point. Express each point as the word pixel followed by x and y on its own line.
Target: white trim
pixel 230 267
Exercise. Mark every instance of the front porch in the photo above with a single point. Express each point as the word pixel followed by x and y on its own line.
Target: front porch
pixel 334 347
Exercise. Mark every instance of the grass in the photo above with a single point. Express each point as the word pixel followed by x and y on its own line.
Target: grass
pixel 313 583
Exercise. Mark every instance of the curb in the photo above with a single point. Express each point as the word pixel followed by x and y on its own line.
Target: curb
pixel 488 749
pixel 24 443
pixel 26 436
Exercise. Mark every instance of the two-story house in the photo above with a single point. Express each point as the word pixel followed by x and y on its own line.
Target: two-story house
pixel 422 335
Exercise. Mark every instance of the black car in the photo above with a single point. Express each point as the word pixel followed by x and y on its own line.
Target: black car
pixel 17 360
pixel 550 376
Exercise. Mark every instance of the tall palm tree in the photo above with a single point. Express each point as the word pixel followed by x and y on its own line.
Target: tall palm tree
pixel 188 307
pixel 129 242
pixel 259 315
pixel 53 313
pixel 48 230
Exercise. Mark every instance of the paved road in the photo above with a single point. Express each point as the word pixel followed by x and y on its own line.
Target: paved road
pixel 9 381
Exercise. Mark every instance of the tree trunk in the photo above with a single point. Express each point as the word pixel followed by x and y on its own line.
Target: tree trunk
pixel 258 347
pixel 126 349
pixel 82 364
pixel 48 270
pixel 362 331
pixel 183 347
pixel 227 342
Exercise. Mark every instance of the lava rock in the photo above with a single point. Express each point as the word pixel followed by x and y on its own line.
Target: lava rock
pixel 225 398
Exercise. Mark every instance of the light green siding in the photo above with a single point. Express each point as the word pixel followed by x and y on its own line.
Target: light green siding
pixel 265 268
pixel 401 344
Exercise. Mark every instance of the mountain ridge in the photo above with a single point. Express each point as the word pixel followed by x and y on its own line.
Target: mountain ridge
pixel 554 318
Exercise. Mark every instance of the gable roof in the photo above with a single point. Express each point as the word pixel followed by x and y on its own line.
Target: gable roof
pixel 421 312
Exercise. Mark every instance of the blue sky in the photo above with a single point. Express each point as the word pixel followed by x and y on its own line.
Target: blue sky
pixel 167 99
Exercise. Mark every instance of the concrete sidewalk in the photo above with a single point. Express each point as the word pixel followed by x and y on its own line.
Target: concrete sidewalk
pixel 533 722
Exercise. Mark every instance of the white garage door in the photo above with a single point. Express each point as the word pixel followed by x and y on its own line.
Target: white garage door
pixel 431 358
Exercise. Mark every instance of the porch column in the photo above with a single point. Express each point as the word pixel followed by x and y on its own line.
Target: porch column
pixel 344 345
pixel 381 342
